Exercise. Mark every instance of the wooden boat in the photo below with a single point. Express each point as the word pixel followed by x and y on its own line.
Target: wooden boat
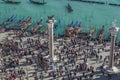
pixel 18 24
pixel 8 21
pixel 97 2
pixel 69 8
pixel 37 27
pixel 25 25
pixel 11 2
pixel 101 34
pixel 87 1
pixel 112 4
pixel 21 24
pixel 36 2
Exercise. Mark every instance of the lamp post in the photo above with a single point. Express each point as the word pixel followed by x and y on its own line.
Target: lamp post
pixel 50 23
pixel 113 31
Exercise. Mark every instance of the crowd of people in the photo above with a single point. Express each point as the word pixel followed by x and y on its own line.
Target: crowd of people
pixel 24 56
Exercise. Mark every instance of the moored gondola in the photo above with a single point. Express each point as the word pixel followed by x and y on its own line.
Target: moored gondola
pixel 11 2
pixel 8 21
pixel 37 26
pixel 37 2
pixel 26 23
pixel 98 2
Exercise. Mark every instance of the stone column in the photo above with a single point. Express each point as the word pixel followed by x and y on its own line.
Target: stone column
pixel 111 64
pixel 50 23
pixel 113 31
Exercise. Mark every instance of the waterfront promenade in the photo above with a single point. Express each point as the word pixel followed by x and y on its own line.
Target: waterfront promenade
pixel 26 57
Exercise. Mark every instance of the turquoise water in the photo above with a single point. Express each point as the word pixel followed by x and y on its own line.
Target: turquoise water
pixel 91 15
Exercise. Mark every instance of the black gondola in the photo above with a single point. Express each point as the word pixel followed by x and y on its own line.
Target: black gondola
pixel 97 2
pixel 11 2
pixel 36 2
pixel 69 8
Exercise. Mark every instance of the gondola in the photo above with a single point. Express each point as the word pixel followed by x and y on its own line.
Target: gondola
pixel 11 2
pixel 8 21
pixel 26 23
pixel 69 8
pixel 97 2
pixel 18 24
pixel 101 34
pixel 36 2
pixel 37 26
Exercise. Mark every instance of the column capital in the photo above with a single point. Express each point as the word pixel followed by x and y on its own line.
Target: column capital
pixel 51 20
pixel 113 29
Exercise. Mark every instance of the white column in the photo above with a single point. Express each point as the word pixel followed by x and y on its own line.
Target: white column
pixel 51 39
pixel 113 31
pixel 111 64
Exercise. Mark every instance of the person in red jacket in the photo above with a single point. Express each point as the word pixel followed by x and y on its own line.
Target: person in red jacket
pixel 14 76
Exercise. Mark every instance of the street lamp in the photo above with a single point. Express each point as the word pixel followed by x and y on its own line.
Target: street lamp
pixel 113 31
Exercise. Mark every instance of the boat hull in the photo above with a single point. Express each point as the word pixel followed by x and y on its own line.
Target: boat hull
pixel 11 2
pixel 39 3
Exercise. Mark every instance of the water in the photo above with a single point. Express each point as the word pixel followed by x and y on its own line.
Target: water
pixel 91 15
